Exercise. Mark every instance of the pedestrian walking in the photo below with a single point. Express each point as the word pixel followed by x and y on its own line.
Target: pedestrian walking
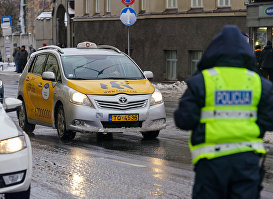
pixel 228 107
pixel 15 55
pixel 22 59
pixel 0 56
pixel 31 50
pixel 258 52
pixel 266 60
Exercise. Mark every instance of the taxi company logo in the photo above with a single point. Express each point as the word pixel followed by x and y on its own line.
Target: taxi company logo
pixel 223 98
pixel 45 91
pixel 269 11
pixel 122 100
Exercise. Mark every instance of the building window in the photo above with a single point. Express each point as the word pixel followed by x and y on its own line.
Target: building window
pixel 108 6
pixel 195 57
pixel 171 3
pixel 224 3
pixel 196 3
pixel 87 6
pixel 143 4
pixel 97 6
pixel 171 64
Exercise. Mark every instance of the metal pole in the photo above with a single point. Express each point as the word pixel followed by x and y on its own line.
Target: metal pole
pixel 128 40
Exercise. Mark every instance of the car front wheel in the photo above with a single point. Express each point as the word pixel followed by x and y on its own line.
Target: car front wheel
pixel 63 133
pixel 149 135
pixel 23 120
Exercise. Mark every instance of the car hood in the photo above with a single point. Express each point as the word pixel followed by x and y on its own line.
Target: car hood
pixel 8 128
pixel 112 87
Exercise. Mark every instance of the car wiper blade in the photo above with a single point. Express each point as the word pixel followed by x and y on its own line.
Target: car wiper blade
pixel 78 78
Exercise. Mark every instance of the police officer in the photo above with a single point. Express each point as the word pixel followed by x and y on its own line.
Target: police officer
pixel 228 107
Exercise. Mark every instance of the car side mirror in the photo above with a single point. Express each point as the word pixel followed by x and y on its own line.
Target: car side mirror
pixel 49 76
pixel 12 104
pixel 149 75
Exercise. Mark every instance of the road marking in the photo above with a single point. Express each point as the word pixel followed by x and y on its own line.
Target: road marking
pixel 123 162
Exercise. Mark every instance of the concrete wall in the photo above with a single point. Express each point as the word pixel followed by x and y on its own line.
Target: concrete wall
pixel 18 40
pixel 43 29
pixel 150 37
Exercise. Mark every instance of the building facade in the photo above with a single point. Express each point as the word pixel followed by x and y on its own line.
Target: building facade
pixel 169 36
pixel 260 21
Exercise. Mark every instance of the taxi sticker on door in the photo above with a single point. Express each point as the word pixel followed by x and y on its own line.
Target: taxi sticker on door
pixel 45 91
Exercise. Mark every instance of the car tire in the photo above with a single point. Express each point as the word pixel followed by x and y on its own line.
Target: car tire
pixel 23 120
pixel 18 195
pixel 63 133
pixel 101 136
pixel 149 135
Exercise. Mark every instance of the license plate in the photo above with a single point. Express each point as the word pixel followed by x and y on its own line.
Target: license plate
pixel 120 118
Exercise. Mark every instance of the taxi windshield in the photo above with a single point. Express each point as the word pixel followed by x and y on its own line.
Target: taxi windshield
pixel 91 67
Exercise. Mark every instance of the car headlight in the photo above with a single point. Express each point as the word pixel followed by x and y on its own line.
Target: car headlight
pixel 80 99
pixel 156 98
pixel 12 145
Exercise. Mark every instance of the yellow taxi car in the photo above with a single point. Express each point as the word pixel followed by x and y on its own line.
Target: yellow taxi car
pixel 90 88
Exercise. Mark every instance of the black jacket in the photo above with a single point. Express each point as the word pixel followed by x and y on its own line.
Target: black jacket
pixel 266 57
pixel 230 49
pixel 22 58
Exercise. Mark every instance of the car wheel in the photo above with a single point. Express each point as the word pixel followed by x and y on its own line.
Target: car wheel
pixel 23 121
pixel 63 133
pixel 18 195
pixel 149 135
pixel 101 136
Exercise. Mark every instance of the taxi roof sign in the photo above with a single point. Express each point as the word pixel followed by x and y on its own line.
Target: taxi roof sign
pixel 86 44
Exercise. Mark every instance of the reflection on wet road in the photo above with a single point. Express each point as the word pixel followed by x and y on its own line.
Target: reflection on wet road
pixel 125 167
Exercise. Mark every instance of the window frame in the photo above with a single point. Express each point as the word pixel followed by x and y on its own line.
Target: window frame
pixel 172 2
pixel 58 65
pixel 224 5
pixel 87 6
pixel 195 60
pixel 108 6
pixel 142 5
pixel 171 60
pixel 198 6
pixel 33 63
pixel 97 6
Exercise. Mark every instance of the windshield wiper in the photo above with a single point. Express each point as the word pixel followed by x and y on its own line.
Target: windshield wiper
pixel 78 78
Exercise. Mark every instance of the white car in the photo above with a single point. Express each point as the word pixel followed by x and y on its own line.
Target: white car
pixel 15 155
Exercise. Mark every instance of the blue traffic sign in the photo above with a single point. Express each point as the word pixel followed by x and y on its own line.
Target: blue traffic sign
pixel 128 16
pixel 6 19
pixel 128 2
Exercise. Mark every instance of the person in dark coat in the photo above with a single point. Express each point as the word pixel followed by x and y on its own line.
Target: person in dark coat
pixel 258 52
pixel 266 60
pixel 15 55
pixel 0 56
pixel 22 59
pixel 235 175
pixel 31 50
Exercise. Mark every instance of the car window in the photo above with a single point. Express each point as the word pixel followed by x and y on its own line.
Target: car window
pixel 52 66
pixel 37 67
pixel 100 67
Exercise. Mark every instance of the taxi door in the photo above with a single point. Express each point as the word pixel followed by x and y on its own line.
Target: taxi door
pixel 33 87
pixel 46 95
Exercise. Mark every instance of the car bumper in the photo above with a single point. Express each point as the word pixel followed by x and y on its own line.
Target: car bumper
pixel 13 163
pixel 86 119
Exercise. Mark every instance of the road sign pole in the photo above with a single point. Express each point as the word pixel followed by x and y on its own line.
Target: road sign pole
pixel 128 40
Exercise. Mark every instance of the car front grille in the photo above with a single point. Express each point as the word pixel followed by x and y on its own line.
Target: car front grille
pixel 119 106
pixel 121 124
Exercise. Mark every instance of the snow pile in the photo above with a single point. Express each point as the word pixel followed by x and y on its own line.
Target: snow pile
pixel 268 138
pixel 171 91
pixel 4 66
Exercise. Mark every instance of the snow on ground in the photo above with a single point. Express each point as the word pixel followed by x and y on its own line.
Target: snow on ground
pixel 4 66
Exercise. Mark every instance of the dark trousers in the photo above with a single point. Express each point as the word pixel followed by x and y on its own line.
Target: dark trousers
pixel 267 72
pixel 230 177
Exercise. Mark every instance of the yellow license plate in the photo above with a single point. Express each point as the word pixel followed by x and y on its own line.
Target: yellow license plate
pixel 121 118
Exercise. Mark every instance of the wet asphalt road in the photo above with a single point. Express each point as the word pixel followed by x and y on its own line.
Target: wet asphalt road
pixel 125 167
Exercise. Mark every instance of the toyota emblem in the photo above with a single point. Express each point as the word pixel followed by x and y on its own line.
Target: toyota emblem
pixel 122 100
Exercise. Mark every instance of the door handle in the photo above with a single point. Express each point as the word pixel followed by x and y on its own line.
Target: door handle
pixel 40 85
pixel 27 78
